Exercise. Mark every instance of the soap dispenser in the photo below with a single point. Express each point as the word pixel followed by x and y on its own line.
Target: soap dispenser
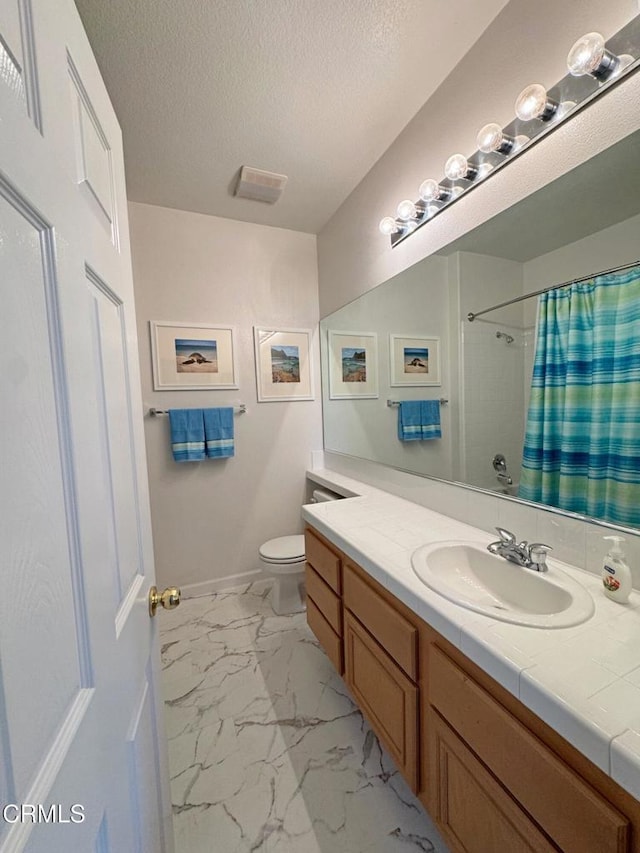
pixel 616 574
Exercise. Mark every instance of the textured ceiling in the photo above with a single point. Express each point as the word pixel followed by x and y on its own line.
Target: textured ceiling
pixel 314 89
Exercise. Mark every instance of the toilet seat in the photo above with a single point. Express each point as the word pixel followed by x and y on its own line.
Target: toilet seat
pixel 283 559
pixel 283 551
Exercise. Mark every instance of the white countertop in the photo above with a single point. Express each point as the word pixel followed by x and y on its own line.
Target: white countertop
pixel 583 681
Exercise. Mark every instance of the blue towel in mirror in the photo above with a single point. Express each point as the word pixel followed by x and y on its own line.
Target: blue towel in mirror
pixel 419 420
pixel 218 431
pixel 187 434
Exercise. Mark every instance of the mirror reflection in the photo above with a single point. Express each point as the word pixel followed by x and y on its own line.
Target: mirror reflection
pixel 564 434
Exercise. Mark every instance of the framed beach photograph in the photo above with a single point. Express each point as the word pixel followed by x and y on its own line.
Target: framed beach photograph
pixel 414 360
pixel 283 364
pixel 192 356
pixel 353 365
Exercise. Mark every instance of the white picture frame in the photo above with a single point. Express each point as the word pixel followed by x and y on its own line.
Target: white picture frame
pixel 414 360
pixel 283 364
pixel 192 356
pixel 353 365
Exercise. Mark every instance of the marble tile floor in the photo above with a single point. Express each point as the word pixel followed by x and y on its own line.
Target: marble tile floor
pixel 267 750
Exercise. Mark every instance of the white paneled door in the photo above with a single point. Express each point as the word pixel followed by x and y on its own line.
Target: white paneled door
pixel 82 762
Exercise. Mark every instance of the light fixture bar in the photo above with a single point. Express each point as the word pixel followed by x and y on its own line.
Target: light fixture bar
pixel 594 67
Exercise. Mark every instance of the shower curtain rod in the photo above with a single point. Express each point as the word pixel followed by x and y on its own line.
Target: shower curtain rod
pixel 471 316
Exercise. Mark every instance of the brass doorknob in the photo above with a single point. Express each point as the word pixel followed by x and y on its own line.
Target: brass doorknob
pixel 168 598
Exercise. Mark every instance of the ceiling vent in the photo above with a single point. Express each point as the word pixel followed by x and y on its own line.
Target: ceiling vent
pixel 259 185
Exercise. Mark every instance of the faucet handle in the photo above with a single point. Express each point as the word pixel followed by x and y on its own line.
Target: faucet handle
pixel 506 535
pixel 540 546
pixel 538 555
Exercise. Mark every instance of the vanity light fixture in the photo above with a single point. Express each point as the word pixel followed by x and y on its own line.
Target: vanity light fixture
pixel 493 139
pixel 431 190
pixel 458 167
pixel 589 56
pixel 389 226
pixel 406 210
pixel 599 63
pixel 534 102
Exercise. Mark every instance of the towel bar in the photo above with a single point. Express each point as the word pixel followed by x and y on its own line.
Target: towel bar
pixel 237 410
pixel 392 403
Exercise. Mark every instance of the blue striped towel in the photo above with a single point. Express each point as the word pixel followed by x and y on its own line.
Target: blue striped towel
pixel 218 431
pixel 419 420
pixel 187 434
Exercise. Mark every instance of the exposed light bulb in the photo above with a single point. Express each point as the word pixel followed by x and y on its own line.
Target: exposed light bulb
pixel 388 226
pixel 589 56
pixel 457 167
pixel 492 139
pixel 534 102
pixel 431 190
pixel 406 210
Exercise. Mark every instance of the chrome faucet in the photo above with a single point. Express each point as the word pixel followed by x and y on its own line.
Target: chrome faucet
pixel 532 556
pixel 500 467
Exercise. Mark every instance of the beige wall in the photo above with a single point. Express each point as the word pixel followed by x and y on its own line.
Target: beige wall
pixel 210 517
pixel 527 42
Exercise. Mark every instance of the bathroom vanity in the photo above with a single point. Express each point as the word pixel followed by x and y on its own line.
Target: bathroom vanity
pixel 448 700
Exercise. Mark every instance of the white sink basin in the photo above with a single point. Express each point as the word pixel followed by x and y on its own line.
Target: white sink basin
pixel 467 574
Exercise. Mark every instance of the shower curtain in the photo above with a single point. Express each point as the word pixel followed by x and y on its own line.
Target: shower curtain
pixel 582 442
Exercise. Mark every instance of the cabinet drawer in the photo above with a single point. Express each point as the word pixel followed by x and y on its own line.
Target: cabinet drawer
pixel 385 695
pixel 327 637
pixel 575 816
pixel 324 598
pixel 394 633
pixel 475 813
pixel 325 561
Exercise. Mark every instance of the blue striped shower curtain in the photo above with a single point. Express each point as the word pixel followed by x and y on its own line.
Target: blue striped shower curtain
pixel 582 441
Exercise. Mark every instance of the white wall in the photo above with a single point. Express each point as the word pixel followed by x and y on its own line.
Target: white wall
pixel 210 517
pixel 612 247
pixel 527 42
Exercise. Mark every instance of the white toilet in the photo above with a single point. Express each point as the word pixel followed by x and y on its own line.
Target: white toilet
pixel 283 559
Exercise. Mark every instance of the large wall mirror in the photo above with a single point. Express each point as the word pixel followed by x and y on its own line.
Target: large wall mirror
pixel 584 223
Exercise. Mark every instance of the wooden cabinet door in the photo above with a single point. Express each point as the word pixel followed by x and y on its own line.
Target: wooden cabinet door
pixel 324 598
pixel 324 559
pixel 474 812
pixel 387 698
pixel 558 799
pixel 397 636
pixel 326 636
